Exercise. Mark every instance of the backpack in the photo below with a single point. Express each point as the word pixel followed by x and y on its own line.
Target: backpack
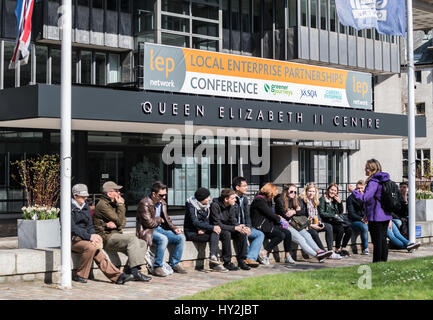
pixel 390 199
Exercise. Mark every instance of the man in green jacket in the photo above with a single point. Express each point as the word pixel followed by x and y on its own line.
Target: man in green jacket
pixel 109 220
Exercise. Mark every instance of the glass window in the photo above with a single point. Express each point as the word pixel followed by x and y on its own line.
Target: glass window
pixel 304 12
pixel 86 67
pixel 175 40
pixel 280 10
pixel 125 6
pixel 55 66
pixel 205 28
pixel 226 14
pixel 332 16
pixel 420 108
pixel 204 44
pixel 9 76
pixel 41 64
pixel 205 11
pixel 26 71
pixel 114 73
pixel 313 16
pixel 235 14
pixel 369 34
pixel 268 15
pixel 257 21
pixel 174 23
pixel 84 3
pixel 181 7
pixel 112 4
pixel 74 66
pixel 97 4
pixel 418 75
pixel 292 13
pixel 323 15
pixel 246 17
pixel 101 67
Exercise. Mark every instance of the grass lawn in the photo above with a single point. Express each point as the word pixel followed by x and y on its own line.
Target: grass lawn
pixel 394 280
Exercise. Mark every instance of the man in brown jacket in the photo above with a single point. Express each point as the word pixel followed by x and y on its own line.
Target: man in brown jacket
pixel 109 220
pixel 155 226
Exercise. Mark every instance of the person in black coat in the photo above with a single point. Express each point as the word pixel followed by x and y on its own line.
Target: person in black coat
pixel 266 220
pixel 223 214
pixel 355 212
pixel 197 226
pixel 86 242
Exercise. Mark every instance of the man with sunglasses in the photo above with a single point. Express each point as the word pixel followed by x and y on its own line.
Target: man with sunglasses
pixel 155 227
pixel 109 220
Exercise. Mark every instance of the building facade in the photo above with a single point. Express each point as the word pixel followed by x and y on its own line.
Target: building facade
pixel 114 139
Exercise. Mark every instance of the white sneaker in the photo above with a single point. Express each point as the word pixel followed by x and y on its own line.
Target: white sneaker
pixel 335 256
pixel 365 252
pixel 214 260
pixel 289 259
pixel 263 260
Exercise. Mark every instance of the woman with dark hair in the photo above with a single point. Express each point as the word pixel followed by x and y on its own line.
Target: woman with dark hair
pixel 330 209
pixel 378 219
pixel 264 219
pixel 287 206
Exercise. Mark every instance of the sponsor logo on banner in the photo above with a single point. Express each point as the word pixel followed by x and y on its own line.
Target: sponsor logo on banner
pixel 278 89
pixel 333 95
pixel 305 93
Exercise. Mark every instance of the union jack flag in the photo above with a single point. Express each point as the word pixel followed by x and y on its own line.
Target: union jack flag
pixel 23 11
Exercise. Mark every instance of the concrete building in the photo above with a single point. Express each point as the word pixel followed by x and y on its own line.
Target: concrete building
pixel 115 138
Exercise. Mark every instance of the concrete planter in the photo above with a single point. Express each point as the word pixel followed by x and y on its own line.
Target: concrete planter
pixel 37 234
pixel 424 210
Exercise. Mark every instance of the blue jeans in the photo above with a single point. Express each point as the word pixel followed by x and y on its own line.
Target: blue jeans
pixel 161 238
pixel 362 228
pixel 396 238
pixel 397 222
pixel 256 241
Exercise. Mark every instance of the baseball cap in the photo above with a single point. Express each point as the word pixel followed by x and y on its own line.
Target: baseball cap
pixel 109 186
pixel 80 190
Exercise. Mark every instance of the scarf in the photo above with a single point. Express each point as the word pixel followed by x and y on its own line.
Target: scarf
pixel 312 210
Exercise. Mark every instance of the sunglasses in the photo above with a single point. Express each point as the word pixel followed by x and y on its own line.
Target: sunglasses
pixel 162 195
pixel 293 192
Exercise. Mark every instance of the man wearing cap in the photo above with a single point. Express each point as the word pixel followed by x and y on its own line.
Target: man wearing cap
pixel 86 242
pixel 155 226
pixel 109 220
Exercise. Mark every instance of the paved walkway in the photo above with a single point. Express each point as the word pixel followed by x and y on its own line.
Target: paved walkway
pixel 177 285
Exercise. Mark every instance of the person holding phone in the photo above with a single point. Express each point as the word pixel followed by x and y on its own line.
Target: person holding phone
pixel 331 210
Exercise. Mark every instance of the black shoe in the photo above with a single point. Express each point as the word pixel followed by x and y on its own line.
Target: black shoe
pixel 77 278
pixel 243 265
pixel 141 277
pixel 124 277
pixel 230 266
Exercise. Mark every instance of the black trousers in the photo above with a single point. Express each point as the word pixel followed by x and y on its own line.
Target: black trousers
pixel 210 237
pixel 378 231
pixel 277 235
pixel 342 234
pixel 240 244
pixel 329 236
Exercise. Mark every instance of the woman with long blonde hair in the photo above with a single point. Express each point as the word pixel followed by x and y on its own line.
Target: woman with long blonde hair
pixel 309 203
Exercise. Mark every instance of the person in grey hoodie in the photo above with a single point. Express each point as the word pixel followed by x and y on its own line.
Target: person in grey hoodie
pixel 378 219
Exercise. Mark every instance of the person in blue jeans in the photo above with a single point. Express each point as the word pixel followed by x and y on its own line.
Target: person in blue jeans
pixel 255 236
pixel 156 228
pixel 355 212
pixel 394 235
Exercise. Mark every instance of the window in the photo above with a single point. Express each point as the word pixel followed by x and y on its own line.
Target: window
pixel 55 65
pixel 418 77
pixel 101 67
pixel 41 64
pixel 423 163
pixel 314 15
pixel 292 13
pixel 332 17
pixel 323 15
pixel 112 4
pixel 304 12
pixel 420 108
pixel 114 69
pixel 9 74
pixel 86 67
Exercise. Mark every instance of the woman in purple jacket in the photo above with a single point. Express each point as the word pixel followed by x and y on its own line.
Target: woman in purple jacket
pixel 377 218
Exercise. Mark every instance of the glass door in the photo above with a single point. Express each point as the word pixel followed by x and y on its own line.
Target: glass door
pixel 105 166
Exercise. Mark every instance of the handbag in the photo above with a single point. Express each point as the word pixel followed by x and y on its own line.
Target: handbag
pixel 341 219
pixel 300 222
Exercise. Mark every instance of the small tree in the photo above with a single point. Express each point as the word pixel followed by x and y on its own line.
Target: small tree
pixel 40 178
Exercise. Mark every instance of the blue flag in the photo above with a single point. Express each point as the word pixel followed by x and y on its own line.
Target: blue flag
pixel 387 16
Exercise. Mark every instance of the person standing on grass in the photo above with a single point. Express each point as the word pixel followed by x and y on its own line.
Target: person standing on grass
pixel 378 219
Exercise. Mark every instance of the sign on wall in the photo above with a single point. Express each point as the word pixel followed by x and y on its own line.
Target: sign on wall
pixel 176 69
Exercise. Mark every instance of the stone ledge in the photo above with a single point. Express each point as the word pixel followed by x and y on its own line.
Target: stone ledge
pixel 45 264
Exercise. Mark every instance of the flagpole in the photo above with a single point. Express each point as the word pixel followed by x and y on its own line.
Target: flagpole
pixel 65 142
pixel 411 123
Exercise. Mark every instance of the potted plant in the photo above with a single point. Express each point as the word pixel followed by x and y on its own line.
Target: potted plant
pixel 424 205
pixel 40 226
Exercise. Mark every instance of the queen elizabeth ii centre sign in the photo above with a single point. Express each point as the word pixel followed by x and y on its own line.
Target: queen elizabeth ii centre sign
pixel 183 70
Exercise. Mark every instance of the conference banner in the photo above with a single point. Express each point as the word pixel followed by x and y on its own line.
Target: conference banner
pixel 176 69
